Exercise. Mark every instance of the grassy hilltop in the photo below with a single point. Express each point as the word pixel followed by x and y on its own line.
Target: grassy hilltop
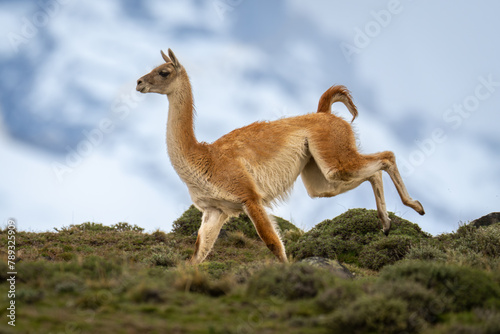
pixel 91 278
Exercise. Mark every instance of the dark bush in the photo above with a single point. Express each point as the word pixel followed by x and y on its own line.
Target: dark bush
pixel 467 287
pixel 243 224
pixel 194 280
pixel 423 303
pixel 37 271
pixel 371 314
pixel 341 294
pixel 30 296
pixel 67 282
pixel 217 270
pixel 426 251
pixel 290 282
pixel 480 321
pixel 188 223
pixel 165 258
pixel 346 236
pixel 384 251
pixel 469 238
pixel 98 267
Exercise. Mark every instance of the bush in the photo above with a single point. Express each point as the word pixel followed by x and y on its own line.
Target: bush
pixel 484 240
pixel 341 294
pixel 426 251
pixel 371 314
pixel 384 251
pixel 148 293
pixel 480 321
pixel 164 259
pixel 98 227
pixel 467 287
pixel 346 236
pixel 37 271
pixel 423 303
pixel 194 280
pixel 96 267
pixel 29 296
pixel 236 239
pixel 67 282
pixel 289 282
pixel 188 223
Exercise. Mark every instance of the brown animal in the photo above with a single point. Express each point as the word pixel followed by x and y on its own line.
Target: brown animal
pixel 249 168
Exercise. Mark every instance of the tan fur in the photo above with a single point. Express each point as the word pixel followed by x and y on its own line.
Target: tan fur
pixel 250 167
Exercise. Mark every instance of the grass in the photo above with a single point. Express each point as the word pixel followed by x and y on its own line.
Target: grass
pixel 91 278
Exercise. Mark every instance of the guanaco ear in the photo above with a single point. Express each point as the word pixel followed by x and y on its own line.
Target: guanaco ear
pixel 174 59
pixel 167 60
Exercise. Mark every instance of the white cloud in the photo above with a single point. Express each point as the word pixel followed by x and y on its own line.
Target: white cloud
pixel 411 70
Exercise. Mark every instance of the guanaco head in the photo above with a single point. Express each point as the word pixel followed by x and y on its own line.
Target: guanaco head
pixel 162 79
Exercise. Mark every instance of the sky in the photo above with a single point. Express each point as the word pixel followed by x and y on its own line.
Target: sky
pixel 78 143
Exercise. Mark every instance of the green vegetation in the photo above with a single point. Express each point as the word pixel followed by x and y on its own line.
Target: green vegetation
pixel 355 237
pixel 91 278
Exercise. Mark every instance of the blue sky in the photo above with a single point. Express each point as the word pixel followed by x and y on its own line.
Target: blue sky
pixel 77 143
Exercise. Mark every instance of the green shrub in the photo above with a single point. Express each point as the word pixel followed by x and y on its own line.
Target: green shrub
pixel 37 271
pixel 148 293
pixel 423 303
pixel 159 236
pixel 341 294
pixel 66 256
pixel 244 272
pixel 467 287
pixel 164 256
pixel 97 267
pixel 67 282
pixel 346 236
pixel 243 224
pixel 29 296
pixel 125 227
pixel 289 282
pixel 217 270
pixel 481 321
pixel 236 239
pixel 484 240
pixel 99 227
pixel 166 259
pixel 371 314
pixel 426 251
pixel 384 251
pixel 95 299
pixel 198 281
pixel 188 223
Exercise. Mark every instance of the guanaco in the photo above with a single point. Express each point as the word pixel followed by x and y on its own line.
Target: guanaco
pixel 250 167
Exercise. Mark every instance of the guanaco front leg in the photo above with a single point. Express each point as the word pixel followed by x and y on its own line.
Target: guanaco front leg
pixel 211 224
pixel 378 190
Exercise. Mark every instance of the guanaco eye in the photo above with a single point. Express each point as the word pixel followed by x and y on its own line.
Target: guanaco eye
pixel 164 73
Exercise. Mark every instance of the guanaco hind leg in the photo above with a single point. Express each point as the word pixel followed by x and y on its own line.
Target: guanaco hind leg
pixel 403 193
pixel 265 229
pixel 340 176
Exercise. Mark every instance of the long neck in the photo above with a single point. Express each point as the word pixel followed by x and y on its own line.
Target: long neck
pixel 180 128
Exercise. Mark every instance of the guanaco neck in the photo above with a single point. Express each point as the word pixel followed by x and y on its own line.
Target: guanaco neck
pixel 180 128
